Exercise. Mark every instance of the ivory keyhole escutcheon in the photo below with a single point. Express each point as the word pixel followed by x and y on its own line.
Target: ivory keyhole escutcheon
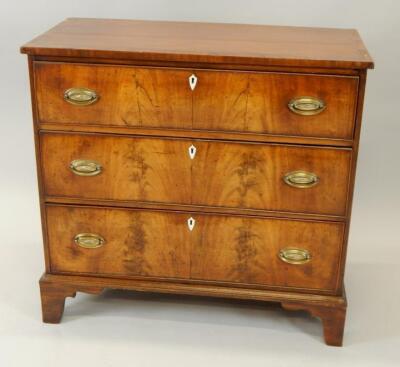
pixel 192 81
pixel 191 222
pixel 192 151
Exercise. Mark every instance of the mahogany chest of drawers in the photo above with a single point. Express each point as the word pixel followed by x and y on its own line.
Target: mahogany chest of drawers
pixel 196 158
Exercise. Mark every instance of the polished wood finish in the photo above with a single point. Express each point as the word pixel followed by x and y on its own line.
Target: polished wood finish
pixel 203 42
pixel 192 208
pixel 246 140
pixel 203 289
pixel 251 176
pixel 221 101
pixel 53 297
pixel 331 310
pixel 333 319
pixel 258 102
pixel 136 242
pixel 198 134
pixel 38 164
pixel 222 174
pixel 133 169
pixel 127 96
pixel 219 248
pixel 245 250
pixel 199 65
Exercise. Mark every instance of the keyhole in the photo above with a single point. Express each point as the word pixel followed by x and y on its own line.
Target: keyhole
pixel 192 151
pixel 191 222
pixel 192 81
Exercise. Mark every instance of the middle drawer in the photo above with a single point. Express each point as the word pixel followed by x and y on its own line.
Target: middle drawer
pixel 192 172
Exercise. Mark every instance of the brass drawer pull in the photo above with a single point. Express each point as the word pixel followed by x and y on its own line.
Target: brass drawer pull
pixel 89 240
pixel 85 167
pixel 80 96
pixel 307 106
pixel 294 256
pixel 301 179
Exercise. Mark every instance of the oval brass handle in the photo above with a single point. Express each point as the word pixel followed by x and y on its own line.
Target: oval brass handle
pixel 301 179
pixel 306 106
pixel 80 96
pixel 85 167
pixel 294 256
pixel 89 240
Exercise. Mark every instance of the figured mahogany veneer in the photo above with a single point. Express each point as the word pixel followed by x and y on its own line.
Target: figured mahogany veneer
pixel 219 248
pixel 128 96
pixel 197 158
pixel 221 101
pixel 222 174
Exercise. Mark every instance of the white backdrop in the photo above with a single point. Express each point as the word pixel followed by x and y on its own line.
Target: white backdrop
pixel 117 329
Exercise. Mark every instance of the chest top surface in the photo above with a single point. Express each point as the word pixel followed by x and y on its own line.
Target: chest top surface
pixel 203 43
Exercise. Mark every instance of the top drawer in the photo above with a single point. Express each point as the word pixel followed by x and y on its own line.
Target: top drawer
pixel 265 103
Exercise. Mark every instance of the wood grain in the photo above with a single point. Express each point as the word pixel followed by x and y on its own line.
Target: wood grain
pixel 53 295
pixel 359 113
pixel 133 168
pixel 244 212
pixel 219 248
pixel 222 174
pixel 330 309
pixel 175 287
pixel 196 134
pixel 258 102
pixel 36 137
pixel 128 96
pixel 203 42
pixel 251 176
pixel 192 208
pixel 333 319
pixel 136 242
pixel 199 65
pixel 221 101
pixel 245 250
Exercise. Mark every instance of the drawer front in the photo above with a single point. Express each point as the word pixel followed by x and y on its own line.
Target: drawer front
pixel 300 254
pixel 126 96
pixel 215 100
pixel 234 175
pixel 238 250
pixel 253 176
pixel 131 168
pixel 131 242
pixel 259 103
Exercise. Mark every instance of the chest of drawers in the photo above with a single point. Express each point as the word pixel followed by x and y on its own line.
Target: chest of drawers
pixel 195 158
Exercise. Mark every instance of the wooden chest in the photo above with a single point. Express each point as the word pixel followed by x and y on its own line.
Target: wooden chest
pixel 195 158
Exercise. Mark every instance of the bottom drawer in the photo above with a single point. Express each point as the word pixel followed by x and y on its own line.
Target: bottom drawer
pixel 264 252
